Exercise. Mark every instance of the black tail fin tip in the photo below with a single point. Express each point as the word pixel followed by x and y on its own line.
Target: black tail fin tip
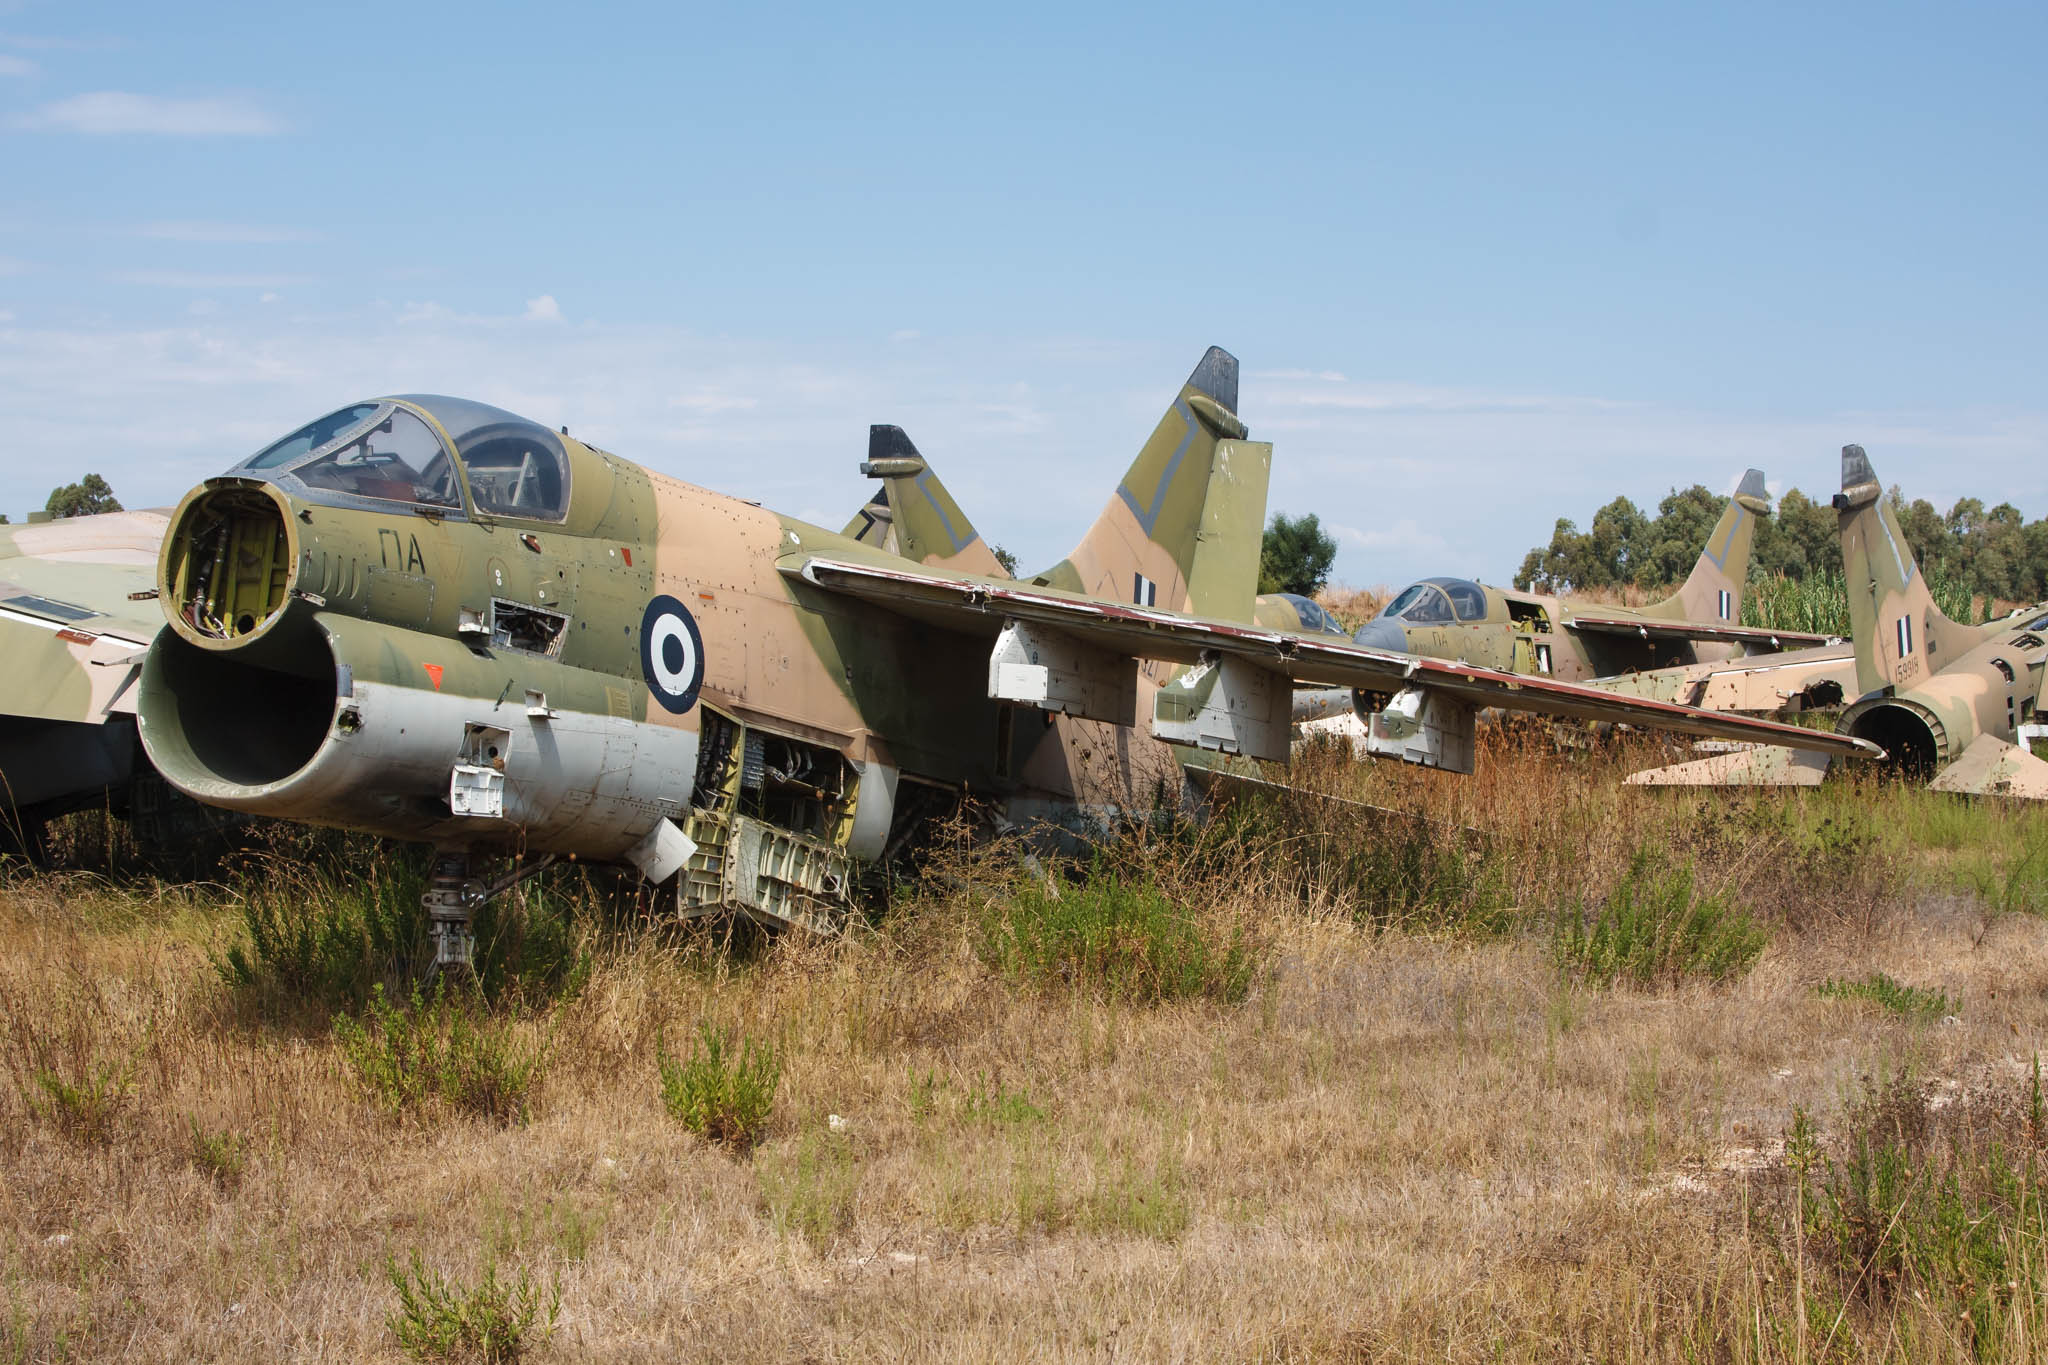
pixel 889 443
pixel 1752 484
pixel 1856 468
pixel 1217 377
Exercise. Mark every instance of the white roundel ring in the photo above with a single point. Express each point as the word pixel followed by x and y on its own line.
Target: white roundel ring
pixel 671 654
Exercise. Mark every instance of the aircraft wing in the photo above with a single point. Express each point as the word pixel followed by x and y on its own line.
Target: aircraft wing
pixel 1707 632
pixel 1064 645
pixel 71 635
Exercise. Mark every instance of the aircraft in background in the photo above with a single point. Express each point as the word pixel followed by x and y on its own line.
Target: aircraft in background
pixel 1560 637
pixel 72 639
pixel 1944 700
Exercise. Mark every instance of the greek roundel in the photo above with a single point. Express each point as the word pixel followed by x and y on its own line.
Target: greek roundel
pixel 671 654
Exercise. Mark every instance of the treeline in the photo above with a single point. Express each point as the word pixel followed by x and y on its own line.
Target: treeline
pixel 1994 554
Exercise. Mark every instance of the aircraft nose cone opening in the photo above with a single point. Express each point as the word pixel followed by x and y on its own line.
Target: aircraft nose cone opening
pixel 1381 633
pixel 227 568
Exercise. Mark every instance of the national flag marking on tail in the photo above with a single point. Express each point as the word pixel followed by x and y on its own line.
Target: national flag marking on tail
pixel 1144 591
pixel 1905 636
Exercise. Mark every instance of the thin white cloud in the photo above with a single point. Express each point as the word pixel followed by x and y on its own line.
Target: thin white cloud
pixel 192 279
pixel 10 265
pixel 905 334
pixel 543 309
pixel 16 66
pixel 6 315
pixel 224 234
pixel 36 42
pixel 103 112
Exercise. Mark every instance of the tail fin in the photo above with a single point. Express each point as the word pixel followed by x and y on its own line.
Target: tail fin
pixel 874 524
pixel 1901 636
pixel 1713 590
pixel 927 525
pixel 1182 532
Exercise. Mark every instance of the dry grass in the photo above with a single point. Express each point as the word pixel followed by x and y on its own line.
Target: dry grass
pixel 1415 1139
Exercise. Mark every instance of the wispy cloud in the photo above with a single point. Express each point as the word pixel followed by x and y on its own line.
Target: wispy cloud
pixel 16 66
pixel 192 279
pixel 224 234
pixel 9 265
pixel 119 111
pixel 543 309
pixel 41 42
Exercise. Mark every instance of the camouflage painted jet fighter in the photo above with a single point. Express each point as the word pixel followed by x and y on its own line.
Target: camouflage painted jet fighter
pixel 432 619
pixel 1527 632
pixel 1944 700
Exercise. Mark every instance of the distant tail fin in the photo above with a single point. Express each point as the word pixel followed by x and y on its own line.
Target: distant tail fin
pixel 1901 636
pixel 1713 590
pixel 1183 529
pixel 927 525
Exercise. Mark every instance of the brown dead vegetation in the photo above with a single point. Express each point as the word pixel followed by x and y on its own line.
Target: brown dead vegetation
pixel 1414 1138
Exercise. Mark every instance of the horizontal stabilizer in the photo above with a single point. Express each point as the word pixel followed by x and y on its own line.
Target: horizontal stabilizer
pixel 1992 767
pixel 1648 629
pixel 1767 765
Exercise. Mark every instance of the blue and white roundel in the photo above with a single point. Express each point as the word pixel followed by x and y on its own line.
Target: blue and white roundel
pixel 671 654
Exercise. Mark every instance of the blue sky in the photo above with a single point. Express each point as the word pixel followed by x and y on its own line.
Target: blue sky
pixel 1483 267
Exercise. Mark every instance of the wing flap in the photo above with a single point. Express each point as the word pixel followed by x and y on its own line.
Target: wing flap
pixel 1706 632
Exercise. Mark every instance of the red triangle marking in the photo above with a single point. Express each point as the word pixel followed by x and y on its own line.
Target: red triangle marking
pixel 434 672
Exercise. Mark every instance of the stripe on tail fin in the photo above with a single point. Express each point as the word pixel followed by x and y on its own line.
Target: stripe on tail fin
pixel 926 525
pixel 1183 529
pixel 1901 636
pixel 1713 591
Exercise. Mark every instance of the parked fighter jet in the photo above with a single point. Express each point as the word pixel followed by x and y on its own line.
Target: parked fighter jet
pixel 1943 699
pixel 433 619
pixel 1528 632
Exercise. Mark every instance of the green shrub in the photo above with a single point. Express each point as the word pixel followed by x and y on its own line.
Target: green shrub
pixel 1655 926
pixel 86 1108
pixel 1912 1001
pixel 440 1047
pixel 1115 936
pixel 439 1319
pixel 719 1094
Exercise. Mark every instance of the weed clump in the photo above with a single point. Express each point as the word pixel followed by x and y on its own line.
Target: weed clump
pixel 1116 936
pixel 492 1320
pixel 440 1048
pixel 1914 1002
pixel 86 1108
pixel 809 1191
pixel 718 1093
pixel 1930 1212
pixel 1656 927
pixel 221 1155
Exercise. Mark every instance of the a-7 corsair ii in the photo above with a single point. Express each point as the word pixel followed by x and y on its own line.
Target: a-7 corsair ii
pixel 432 619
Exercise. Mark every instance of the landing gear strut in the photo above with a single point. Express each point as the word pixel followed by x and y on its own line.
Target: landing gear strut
pixel 453 897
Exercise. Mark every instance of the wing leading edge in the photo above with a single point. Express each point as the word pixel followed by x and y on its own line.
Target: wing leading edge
pixel 1069 652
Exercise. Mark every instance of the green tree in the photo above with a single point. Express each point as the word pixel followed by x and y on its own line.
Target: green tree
pixel 1296 555
pixel 88 497
pixel 1004 558
pixel 1673 541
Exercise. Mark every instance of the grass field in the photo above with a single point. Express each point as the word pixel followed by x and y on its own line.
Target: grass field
pixel 1537 1068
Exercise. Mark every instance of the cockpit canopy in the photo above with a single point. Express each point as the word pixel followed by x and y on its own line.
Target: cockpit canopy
pixel 398 450
pixel 1438 601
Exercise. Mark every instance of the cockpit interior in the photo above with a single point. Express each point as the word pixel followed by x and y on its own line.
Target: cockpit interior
pixel 416 449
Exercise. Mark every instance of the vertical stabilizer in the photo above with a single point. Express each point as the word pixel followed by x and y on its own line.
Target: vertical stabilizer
pixel 1713 590
pixel 924 523
pixel 1901 636
pixel 1182 531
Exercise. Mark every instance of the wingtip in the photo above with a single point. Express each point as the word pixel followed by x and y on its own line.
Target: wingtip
pixel 1216 376
pixel 1855 468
